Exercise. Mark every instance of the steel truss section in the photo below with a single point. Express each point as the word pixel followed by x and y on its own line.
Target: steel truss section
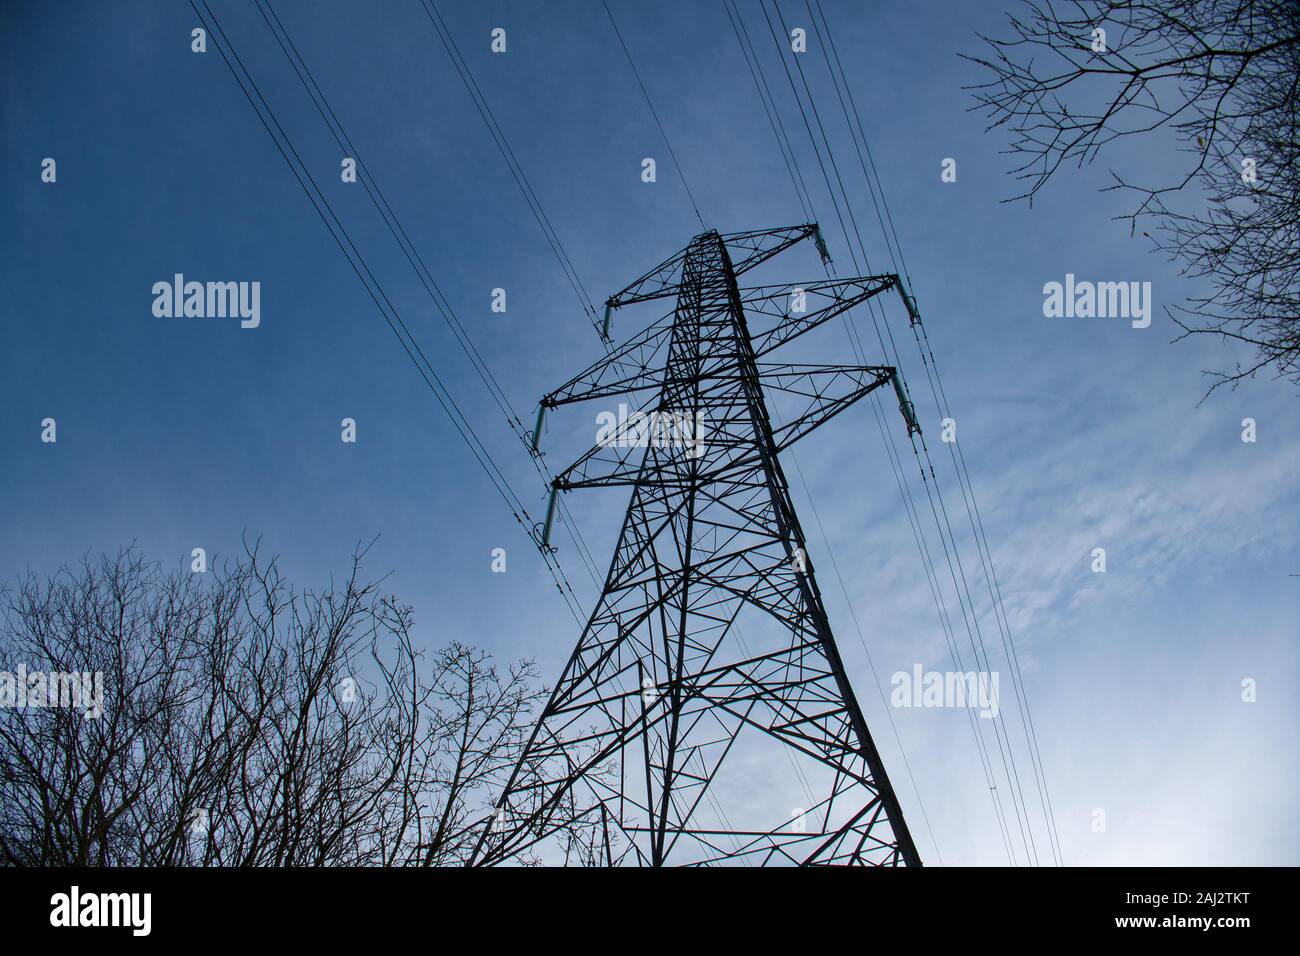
pixel 662 741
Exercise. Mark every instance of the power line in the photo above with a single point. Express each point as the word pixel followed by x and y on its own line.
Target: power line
pixel 653 112
pixel 981 539
pixel 802 193
pixel 887 438
pixel 1007 756
pixel 370 184
pixel 426 278
pixel 764 94
pixel 844 227
pixel 508 154
pixel 889 232
pixel 399 233
pixel 374 289
pixel 548 231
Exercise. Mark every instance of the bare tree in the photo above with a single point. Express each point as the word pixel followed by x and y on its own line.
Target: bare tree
pixel 245 723
pixel 1220 79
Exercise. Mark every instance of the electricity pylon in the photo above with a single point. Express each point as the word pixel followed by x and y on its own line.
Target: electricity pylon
pixel 662 741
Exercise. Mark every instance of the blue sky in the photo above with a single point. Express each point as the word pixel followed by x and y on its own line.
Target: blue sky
pixel 179 433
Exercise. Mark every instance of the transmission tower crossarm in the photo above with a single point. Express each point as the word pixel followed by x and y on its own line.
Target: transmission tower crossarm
pixel 659 283
pixel 631 367
pixel 759 245
pixel 627 369
pixel 784 313
pixel 664 280
pixel 828 389
pixel 818 383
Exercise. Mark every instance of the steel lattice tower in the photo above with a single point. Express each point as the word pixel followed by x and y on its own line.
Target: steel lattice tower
pixel 661 740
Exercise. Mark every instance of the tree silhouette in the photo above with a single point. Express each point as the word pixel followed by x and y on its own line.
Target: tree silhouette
pixel 1220 77
pixel 244 723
